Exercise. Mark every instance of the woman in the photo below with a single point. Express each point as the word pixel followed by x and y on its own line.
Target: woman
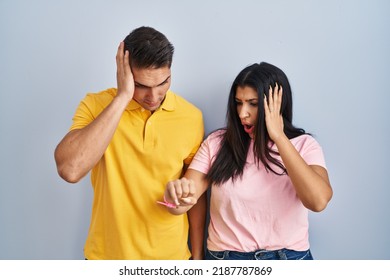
pixel 265 174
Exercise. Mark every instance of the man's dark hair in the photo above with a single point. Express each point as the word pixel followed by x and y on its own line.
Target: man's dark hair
pixel 148 48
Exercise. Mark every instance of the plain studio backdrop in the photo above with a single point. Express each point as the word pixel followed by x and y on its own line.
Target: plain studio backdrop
pixel 335 53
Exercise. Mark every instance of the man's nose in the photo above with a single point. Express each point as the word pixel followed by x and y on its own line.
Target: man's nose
pixel 153 94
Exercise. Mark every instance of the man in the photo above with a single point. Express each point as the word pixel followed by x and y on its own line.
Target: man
pixel 135 139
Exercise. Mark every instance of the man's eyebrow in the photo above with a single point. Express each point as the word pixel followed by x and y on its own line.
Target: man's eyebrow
pixel 141 85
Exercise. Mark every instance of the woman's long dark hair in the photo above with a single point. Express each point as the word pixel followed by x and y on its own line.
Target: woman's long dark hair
pixel 231 158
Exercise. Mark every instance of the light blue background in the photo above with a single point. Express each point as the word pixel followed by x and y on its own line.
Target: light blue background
pixel 336 54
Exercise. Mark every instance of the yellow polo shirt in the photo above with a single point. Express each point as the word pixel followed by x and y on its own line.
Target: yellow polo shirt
pixel 146 151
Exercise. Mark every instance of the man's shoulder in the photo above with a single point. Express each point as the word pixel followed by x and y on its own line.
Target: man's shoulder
pixel 103 94
pixel 99 99
pixel 183 104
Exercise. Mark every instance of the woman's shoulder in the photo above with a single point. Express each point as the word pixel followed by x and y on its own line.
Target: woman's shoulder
pixel 213 139
pixel 216 135
pixel 304 141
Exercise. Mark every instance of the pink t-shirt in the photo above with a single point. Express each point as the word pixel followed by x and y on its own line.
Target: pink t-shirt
pixel 261 210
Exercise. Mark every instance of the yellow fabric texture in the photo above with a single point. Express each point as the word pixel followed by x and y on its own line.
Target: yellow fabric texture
pixel 146 151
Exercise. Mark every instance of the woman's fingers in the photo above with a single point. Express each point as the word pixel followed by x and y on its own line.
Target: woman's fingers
pixel 182 190
pixel 270 100
pixel 274 99
pixel 278 92
pixel 172 192
pixel 272 110
pixel 188 201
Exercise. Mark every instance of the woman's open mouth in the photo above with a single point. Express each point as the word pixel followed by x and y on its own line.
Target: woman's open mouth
pixel 249 128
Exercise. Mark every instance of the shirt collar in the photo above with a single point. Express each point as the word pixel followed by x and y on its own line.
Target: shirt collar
pixel 169 103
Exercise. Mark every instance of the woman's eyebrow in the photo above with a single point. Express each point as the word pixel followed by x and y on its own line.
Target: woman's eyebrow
pixel 252 99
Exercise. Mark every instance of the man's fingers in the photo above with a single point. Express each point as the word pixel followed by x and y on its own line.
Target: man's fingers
pixel 120 52
pixel 119 60
pixel 126 63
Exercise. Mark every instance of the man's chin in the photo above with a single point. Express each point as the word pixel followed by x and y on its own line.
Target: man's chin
pixel 151 108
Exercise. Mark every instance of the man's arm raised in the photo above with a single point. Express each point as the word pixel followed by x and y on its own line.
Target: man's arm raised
pixel 81 149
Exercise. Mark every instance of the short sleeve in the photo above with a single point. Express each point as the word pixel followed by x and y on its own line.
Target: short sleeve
pixel 310 150
pixel 206 153
pixel 84 113
pixel 199 128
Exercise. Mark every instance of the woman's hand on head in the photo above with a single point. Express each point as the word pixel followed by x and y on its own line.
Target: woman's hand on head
pixel 273 116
